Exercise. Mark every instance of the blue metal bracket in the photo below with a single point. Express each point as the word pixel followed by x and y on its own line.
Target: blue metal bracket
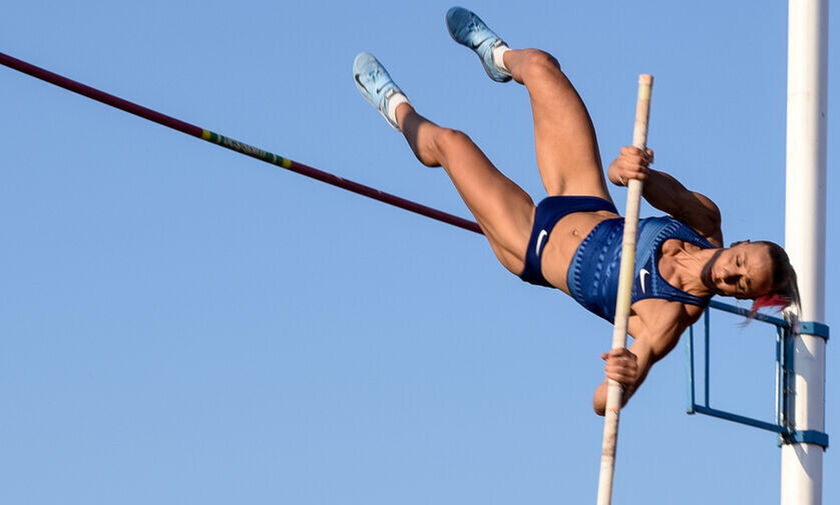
pixel 784 375
pixel 813 328
pixel 810 437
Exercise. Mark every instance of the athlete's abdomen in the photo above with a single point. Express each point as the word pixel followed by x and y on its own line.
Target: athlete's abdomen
pixel 565 239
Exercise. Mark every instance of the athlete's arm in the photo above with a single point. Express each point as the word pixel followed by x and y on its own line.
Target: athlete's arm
pixel 628 367
pixel 656 334
pixel 666 193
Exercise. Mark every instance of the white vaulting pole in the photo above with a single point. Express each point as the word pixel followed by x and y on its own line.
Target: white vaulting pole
pixel 805 229
pixel 625 288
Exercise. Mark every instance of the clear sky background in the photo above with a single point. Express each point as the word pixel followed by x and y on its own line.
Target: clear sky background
pixel 183 324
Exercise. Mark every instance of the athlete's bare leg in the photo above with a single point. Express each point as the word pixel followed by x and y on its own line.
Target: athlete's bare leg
pixel 567 149
pixel 502 209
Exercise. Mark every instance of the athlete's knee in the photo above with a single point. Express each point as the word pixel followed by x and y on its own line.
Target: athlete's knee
pixel 448 136
pixel 510 258
pixel 512 262
pixel 538 62
pixel 446 139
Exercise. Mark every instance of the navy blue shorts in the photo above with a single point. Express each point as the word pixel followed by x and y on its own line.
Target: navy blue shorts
pixel 549 211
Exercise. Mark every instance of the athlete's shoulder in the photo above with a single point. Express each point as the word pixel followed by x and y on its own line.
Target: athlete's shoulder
pixel 686 231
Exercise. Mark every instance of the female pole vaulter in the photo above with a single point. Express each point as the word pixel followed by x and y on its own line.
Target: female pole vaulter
pixel 572 239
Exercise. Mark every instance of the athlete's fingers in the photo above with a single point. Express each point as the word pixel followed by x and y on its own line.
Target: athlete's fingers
pixel 625 370
pixel 633 162
pixel 625 377
pixel 633 157
pixel 640 173
pixel 622 351
pixel 631 172
pixel 621 365
pixel 632 150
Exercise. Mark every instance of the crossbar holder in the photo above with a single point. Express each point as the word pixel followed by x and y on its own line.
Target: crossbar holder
pixel 784 375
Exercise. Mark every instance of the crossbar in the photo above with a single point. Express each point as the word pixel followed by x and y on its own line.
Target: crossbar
pixel 234 145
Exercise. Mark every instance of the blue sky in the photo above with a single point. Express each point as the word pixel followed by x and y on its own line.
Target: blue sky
pixel 183 324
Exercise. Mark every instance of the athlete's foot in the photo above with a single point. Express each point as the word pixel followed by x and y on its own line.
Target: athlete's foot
pixel 378 88
pixel 469 30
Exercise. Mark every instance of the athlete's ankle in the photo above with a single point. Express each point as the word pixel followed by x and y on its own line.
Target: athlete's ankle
pixel 499 57
pixel 401 111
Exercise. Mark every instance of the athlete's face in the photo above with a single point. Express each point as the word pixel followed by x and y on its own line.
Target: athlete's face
pixel 744 270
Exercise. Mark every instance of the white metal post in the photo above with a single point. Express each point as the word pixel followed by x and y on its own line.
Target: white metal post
pixel 805 229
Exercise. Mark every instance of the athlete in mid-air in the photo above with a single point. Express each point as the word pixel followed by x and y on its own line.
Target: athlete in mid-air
pixel 572 239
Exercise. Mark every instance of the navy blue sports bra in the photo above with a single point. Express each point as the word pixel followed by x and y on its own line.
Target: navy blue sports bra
pixel 593 273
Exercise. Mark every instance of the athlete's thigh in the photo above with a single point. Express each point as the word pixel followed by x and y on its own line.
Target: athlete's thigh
pixel 567 148
pixel 503 210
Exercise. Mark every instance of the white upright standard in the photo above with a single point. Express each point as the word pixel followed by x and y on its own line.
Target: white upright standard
pixel 802 463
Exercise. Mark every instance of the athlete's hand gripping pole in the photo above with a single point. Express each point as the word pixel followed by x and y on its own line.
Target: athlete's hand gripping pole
pixel 625 288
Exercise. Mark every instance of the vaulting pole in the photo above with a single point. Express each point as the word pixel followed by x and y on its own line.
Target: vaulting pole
pixel 234 145
pixel 625 288
pixel 805 229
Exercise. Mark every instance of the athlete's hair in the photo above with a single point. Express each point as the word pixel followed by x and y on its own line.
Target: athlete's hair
pixel 785 293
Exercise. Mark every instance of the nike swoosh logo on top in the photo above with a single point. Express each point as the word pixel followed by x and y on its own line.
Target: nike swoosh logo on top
pixel 642 274
pixel 543 234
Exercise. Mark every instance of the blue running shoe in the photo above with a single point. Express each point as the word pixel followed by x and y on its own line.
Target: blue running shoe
pixel 469 30
pixel 376 86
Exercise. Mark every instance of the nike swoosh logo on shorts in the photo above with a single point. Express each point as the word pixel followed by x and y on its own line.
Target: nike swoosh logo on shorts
pixel 642 274
pixel 543 234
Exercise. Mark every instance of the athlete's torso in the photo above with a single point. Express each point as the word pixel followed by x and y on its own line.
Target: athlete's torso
pixel 584 260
